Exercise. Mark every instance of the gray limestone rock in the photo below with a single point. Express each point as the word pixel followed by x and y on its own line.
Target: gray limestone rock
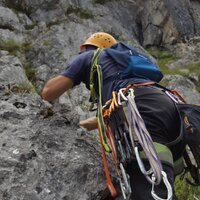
pixel 45 155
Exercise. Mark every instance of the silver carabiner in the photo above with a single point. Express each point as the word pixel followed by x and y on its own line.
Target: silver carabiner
pixel 168 186
pixel 120 95
pixel 141 166
pixel 125 184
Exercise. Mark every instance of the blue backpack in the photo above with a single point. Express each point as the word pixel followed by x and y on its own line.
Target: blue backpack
pixel 135 64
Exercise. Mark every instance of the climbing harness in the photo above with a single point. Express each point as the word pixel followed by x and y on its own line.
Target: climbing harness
pixel 123 133
pixel 129 139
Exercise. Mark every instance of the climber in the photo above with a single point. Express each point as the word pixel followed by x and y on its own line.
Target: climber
pixel 156 108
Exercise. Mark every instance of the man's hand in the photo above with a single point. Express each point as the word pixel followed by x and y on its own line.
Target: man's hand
pixel 55 87
pixel 90 123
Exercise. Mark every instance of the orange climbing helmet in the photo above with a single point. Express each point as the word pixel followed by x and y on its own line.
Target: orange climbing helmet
pixel 100 40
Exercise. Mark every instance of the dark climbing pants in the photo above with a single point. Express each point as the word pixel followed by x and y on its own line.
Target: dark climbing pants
pixel 162 121
pixel 141 188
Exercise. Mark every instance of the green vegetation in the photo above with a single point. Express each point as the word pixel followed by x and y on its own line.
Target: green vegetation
pixel 25 47
pixel 30 72
pixel 31 75
pixel 163 58
pixel 114 34
pixel 94 136
pixel 82 13
pixel 24 88
pixel 16 6
pixel 53 22
pixel 13 47
pixel 185 191
pixel 195 40
pixel 46 42
pixel 102 1
pixel 84 106
pixel 31 26
pixel 193 68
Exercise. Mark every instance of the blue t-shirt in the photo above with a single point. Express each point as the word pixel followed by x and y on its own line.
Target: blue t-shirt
pixel 79 71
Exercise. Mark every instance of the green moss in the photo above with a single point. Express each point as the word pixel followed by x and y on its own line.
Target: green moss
pixel 82 13
pixel 26 47
pixel 46 42
pixel 85 107
pixel 15 6
pixel 53 22
pixel 11 46
pixel 163 58
pixel 185 191
pixel 198 88
pixel 24 88
pixel 195 40
pixel 194 68
pixel 164 82
pixel 31 26
pixel 30 72
pixel 95 137
pixel 102 1
pixel 31 75
pixel 115 35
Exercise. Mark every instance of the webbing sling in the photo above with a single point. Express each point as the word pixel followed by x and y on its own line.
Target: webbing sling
pixel 96 68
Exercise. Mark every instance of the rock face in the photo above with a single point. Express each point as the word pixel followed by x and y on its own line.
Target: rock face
pixel 45 155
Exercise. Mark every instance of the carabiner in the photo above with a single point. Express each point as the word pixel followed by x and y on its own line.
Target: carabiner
pixel 141 166
pixel 168 186
pixel 125 183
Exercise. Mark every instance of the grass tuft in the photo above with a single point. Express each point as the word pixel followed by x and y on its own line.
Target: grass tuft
pixel 82 13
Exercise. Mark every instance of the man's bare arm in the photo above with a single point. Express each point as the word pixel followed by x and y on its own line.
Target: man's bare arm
pixel 55 87
pixel 90 123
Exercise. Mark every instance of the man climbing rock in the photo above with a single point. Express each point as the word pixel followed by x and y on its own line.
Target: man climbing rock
pixel 156 108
